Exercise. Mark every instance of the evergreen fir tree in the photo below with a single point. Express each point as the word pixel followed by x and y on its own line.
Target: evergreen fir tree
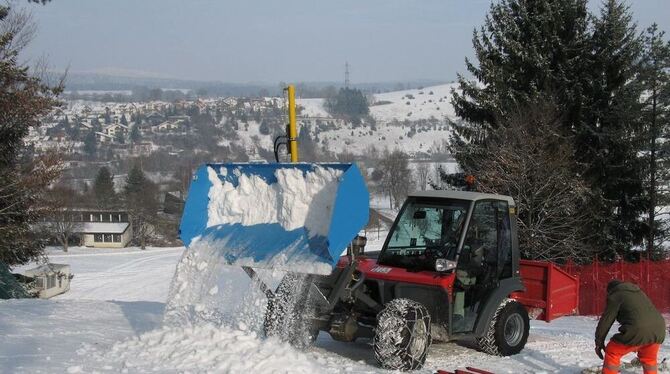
pixel 108 116
pixel 142 203
pixel 134 181
pixel 543 49
pixel 655 73
pixel 119 138
pixel 527 49
pixel 308 147
pixel 349 103
pixel 135 135
pixel 608 141
pixel 95 124
pixel 103 189
pixel 24 100
pixel 264 128
pixel 123 120
pixel 90 144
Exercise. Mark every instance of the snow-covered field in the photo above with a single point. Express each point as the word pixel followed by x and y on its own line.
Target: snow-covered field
pixel 415 104
pixel 111 321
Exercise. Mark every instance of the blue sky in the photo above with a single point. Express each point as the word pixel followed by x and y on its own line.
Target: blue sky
pixel 271 41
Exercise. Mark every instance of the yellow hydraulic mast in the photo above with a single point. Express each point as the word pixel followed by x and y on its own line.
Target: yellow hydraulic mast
pixel 292 127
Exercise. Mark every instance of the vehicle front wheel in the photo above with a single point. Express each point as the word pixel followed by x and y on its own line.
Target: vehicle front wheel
pixel 402 336
pixel 289 311
pixel 508 330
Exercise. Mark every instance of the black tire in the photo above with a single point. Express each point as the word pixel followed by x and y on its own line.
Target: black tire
pixel 508 330
pixel 288 313
pixel 402 336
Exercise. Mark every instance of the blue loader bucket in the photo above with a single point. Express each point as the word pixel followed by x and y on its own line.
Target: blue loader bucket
pixel 292 217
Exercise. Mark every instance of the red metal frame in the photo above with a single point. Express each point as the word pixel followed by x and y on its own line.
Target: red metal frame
pixel 371 270
pixel 550 291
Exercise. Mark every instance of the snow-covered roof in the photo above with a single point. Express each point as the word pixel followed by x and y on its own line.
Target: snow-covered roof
pixel 104 135
pixel 104 227
pixel 47 269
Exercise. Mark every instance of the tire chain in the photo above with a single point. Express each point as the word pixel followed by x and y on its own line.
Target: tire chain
pixel 487 343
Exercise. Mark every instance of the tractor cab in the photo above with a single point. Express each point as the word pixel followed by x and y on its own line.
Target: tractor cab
pixel 463 238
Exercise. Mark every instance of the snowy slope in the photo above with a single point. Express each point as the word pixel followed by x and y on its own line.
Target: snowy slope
pixel 358 140
pixel 414 104
pixel 90 334
pixel 312 108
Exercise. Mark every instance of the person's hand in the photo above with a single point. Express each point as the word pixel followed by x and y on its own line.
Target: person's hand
pixel 599 350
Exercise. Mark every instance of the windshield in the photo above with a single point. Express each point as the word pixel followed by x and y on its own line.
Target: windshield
pixel 427 229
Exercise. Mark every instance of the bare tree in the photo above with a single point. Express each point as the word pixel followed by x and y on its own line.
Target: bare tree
pixel 530 159
pixel 437 175
pixel 396 176
pixel 18 23
pixel 62 221
pixel 422 170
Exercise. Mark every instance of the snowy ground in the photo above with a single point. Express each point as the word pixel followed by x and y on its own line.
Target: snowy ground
pixel 111 321
pixel 415 104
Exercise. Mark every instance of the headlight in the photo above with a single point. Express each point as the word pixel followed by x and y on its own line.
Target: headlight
pixel 442 265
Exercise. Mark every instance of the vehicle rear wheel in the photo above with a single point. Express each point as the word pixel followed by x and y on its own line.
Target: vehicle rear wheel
pixel 402 336
pixel 508 330
pixel 288 313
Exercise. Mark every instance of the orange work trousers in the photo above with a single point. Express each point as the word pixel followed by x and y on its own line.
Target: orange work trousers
pixel 646 353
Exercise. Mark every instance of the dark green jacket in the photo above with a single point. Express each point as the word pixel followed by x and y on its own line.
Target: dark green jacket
pixel 640 322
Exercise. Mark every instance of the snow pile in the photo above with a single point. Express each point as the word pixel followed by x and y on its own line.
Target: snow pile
pixel 210 348
pixel 288 202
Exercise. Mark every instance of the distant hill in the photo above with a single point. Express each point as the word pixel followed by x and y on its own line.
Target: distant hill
pixel 119 80
pixel 105 82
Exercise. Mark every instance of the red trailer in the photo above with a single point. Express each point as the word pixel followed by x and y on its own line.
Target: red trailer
pixel 550 291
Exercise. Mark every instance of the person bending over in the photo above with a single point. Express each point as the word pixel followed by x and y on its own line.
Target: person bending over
pixel 642 328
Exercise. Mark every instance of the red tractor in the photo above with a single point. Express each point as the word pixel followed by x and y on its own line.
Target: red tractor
pixel 448 270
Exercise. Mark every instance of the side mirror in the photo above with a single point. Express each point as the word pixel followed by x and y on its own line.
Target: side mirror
pixel 443 265
pixel 419 214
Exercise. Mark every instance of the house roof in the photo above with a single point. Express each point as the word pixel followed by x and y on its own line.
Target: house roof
pixel 104 227
pixel 104 135
pixel 46 269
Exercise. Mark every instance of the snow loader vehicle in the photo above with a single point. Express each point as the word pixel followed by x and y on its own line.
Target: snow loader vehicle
pixel 449 268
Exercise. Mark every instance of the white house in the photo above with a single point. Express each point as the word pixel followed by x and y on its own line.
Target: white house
pixel 50 279
pixel 168 126
pixel 106 234
pixel 105 229
pixel 112 130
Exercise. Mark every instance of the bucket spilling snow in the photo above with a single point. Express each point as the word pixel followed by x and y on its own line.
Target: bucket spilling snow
pixel 273 218
pixel 207 290
pixel 297 217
